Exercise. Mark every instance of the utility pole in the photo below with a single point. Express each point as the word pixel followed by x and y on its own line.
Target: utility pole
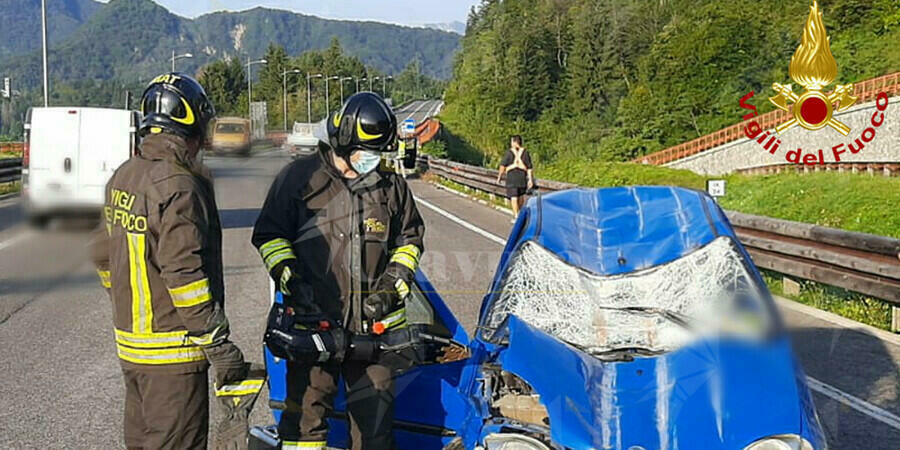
pixel 250 65
pixel 342 87
pixel 284 90
pixel 309 77
pixel 327 98
pixel 384 85
pixel 44 31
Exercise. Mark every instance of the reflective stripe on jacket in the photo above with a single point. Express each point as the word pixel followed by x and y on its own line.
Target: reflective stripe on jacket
pixel 159 253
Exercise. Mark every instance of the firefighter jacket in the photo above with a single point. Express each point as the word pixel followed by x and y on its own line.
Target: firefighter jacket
pixel 159 253
pixel 341 232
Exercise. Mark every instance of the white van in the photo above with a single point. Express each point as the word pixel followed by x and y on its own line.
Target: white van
pixel 70 154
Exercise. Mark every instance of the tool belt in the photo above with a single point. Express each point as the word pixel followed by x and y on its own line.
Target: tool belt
pixel 313 339
pixel 304 338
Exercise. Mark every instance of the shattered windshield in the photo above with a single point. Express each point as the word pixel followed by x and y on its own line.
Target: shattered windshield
pixel 658 309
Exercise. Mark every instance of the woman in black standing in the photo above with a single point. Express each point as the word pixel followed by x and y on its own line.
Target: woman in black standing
pixel 516 164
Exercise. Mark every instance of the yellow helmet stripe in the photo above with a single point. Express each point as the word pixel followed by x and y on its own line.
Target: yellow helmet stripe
pixel 188 119
pixel 363 135
pixel 337 120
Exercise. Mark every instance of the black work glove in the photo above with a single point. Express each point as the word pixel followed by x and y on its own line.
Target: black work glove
pixel 236 401
pixel 227 361
pixel 388 292
pixel 295 291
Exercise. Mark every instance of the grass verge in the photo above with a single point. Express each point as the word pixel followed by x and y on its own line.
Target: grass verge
pixel 4 155
pixel 7 188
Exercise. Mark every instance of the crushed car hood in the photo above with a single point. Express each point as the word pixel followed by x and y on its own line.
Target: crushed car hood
pixel 711 395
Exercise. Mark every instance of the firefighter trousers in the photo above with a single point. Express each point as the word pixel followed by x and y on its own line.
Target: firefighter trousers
pixel 166 411
pixel 310 398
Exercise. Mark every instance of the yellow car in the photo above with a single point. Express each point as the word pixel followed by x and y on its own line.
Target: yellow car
pixel 231 135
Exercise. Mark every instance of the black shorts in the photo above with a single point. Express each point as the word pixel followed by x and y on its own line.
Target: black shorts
pixel 516 183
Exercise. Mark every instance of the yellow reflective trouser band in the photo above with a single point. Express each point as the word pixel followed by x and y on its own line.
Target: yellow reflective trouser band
pixel 151 340
pixel 141 309
pixel 243 388
pixel 276 251
pixel 191 294
pixel 160 356
pixel 402 288
pixel 104 278
pixel 395 319
pixel 291 445
pixel 408 256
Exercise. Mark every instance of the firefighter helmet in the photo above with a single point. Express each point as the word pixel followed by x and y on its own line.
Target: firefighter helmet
pixel 176 103
pixel 364 122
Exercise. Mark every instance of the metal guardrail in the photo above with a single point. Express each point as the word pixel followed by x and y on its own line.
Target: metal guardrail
pixel 859 262
pixel 864 91
pixel 10 169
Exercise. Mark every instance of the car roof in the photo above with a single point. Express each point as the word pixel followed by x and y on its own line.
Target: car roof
pixel 618 230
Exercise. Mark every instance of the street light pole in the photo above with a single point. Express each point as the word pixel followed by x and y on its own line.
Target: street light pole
pixel 175 58
pixel 384 85
pixel 250 65
pixel 309 77
pixel 342 87
pixel 357 82
pixel 44 31
pixel 327 98
pixel 284 91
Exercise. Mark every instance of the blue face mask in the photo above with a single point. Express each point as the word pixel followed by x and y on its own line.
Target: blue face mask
pixel 367 161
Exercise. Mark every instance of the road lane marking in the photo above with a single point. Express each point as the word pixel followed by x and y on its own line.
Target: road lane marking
pixel 15 239
pixel 461 222
pixel 825 389
pixel 856 403
pixel 437 106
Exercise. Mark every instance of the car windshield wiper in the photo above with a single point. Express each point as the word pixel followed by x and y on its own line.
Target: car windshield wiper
pixel 625 354
pixel 672 316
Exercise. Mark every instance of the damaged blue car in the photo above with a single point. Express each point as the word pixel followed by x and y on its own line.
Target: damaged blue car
pixel 618 318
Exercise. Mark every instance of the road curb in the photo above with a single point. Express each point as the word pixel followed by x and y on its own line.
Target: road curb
pixel 841 321
pixel 9 195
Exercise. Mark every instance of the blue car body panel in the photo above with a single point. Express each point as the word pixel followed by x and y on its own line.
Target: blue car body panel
pixel 713 394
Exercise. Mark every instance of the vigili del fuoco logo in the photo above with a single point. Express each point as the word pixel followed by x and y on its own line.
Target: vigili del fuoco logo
pixel 813 67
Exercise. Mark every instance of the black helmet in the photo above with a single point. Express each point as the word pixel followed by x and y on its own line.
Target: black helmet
pixel 366 121
pixel 176 103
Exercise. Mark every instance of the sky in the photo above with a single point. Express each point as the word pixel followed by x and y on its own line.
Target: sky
pixel 407 12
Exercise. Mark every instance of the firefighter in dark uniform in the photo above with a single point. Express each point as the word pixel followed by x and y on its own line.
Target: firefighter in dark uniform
pixel 343 239
pixel 159 254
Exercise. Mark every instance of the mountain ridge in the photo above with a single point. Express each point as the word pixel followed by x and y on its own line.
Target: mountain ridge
pixel 133 39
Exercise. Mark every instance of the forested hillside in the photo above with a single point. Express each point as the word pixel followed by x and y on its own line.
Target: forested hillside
pixel 613 79
pixel 133 40
pixel 20 22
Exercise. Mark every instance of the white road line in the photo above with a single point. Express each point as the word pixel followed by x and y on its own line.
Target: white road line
pixel 827 390
pixel 461 222
pixel 15 239
pixel 434 111
pixel 856 403
pixel 414 110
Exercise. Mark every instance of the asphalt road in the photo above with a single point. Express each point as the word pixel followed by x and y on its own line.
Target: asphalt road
pixel 62 387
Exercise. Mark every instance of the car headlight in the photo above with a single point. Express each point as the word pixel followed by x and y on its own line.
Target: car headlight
pixel 509 441
pixel 781 442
